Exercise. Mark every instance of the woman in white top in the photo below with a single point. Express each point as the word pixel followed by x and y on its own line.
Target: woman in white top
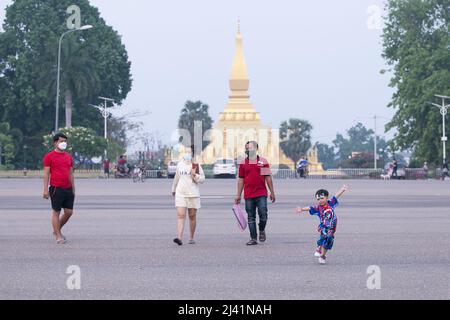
pixel 186 191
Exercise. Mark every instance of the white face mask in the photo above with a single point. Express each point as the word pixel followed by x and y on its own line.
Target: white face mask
pixel 187 157
pixel 62 146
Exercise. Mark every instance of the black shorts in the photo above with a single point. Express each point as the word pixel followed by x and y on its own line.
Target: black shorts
pixel 61 198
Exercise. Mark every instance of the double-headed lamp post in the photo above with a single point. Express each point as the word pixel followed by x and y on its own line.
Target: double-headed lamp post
pixel 105 114
pixel 86 27
pixel 443 109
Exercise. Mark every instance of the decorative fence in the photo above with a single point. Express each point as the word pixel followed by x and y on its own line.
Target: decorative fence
pixel 40 173
pixel 409 174
pixel 331 174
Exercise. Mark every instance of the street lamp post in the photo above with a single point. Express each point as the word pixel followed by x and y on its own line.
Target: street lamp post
pixel 375 154
pixel 86 27
pixel 105 114
pixel 375 143
pixel 443 109
pixel 25 147
pixel 25 170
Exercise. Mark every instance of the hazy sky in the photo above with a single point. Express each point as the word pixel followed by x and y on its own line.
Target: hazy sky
pixel 315 60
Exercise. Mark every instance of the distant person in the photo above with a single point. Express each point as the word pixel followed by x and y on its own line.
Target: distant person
pixel 328 220
pixel 139 171
pixel 444 170
pixel 106 168
pixel 298 169
pixel 185 189
pixel 122 161
pixel 122 166
pixel 303 168
pixel 394 168
pixel 254 178
pixel 425 170
pixel 58 170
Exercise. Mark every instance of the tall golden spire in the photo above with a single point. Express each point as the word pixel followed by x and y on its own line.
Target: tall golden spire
pixel 239 81
pixel 239 100
pixel 239 122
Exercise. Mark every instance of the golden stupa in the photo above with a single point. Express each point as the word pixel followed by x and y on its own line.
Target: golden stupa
pixel 239 122
pixel 314 166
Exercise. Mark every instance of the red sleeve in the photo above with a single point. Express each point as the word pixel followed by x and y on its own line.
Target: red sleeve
pixel 47 160
pixel 241 171
pixel 265 170
pixel 71 162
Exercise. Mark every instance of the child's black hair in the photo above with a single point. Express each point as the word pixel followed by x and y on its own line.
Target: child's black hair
pixel 322 193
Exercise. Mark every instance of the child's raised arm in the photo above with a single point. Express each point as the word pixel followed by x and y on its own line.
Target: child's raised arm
pixel 301 210
pixel 341 191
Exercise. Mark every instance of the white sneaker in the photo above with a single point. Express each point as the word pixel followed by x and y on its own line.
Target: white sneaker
pixel 322 260
pixel 317 254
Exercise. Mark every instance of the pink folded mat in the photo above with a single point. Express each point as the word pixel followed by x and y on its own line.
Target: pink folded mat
pixel 240 217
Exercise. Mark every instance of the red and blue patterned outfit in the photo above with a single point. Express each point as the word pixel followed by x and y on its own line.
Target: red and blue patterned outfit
pixel 328 222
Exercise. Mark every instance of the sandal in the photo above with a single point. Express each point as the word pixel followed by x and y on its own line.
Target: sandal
pixel 61 241
pixel 191 242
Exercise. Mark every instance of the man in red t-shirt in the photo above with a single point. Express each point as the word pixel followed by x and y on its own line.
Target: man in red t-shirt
pixel 254 175
pixel 106 166
pixel 58 170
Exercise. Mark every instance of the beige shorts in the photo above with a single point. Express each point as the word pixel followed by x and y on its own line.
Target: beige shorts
pixel 190 203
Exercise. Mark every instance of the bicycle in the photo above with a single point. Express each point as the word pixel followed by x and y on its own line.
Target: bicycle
pixel 138 175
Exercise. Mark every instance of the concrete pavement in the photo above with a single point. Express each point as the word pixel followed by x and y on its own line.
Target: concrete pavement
pixel 121 238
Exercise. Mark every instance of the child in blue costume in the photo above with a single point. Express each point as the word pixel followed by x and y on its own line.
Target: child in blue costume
pixel 328 220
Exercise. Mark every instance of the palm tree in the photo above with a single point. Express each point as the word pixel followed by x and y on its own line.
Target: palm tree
pixel 78 74
pixel 295 137
pixel 192 112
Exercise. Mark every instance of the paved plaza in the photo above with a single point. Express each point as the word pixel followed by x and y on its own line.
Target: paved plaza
pixel 121 239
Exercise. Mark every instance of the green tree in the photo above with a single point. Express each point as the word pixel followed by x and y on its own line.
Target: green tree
pixel 83 144
pixel 6 147
pixel 326 155
pixel 416 42
pixel 360 139
pixel 78 75
pixel 191 113
pixel 28 44
pixel 295 138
